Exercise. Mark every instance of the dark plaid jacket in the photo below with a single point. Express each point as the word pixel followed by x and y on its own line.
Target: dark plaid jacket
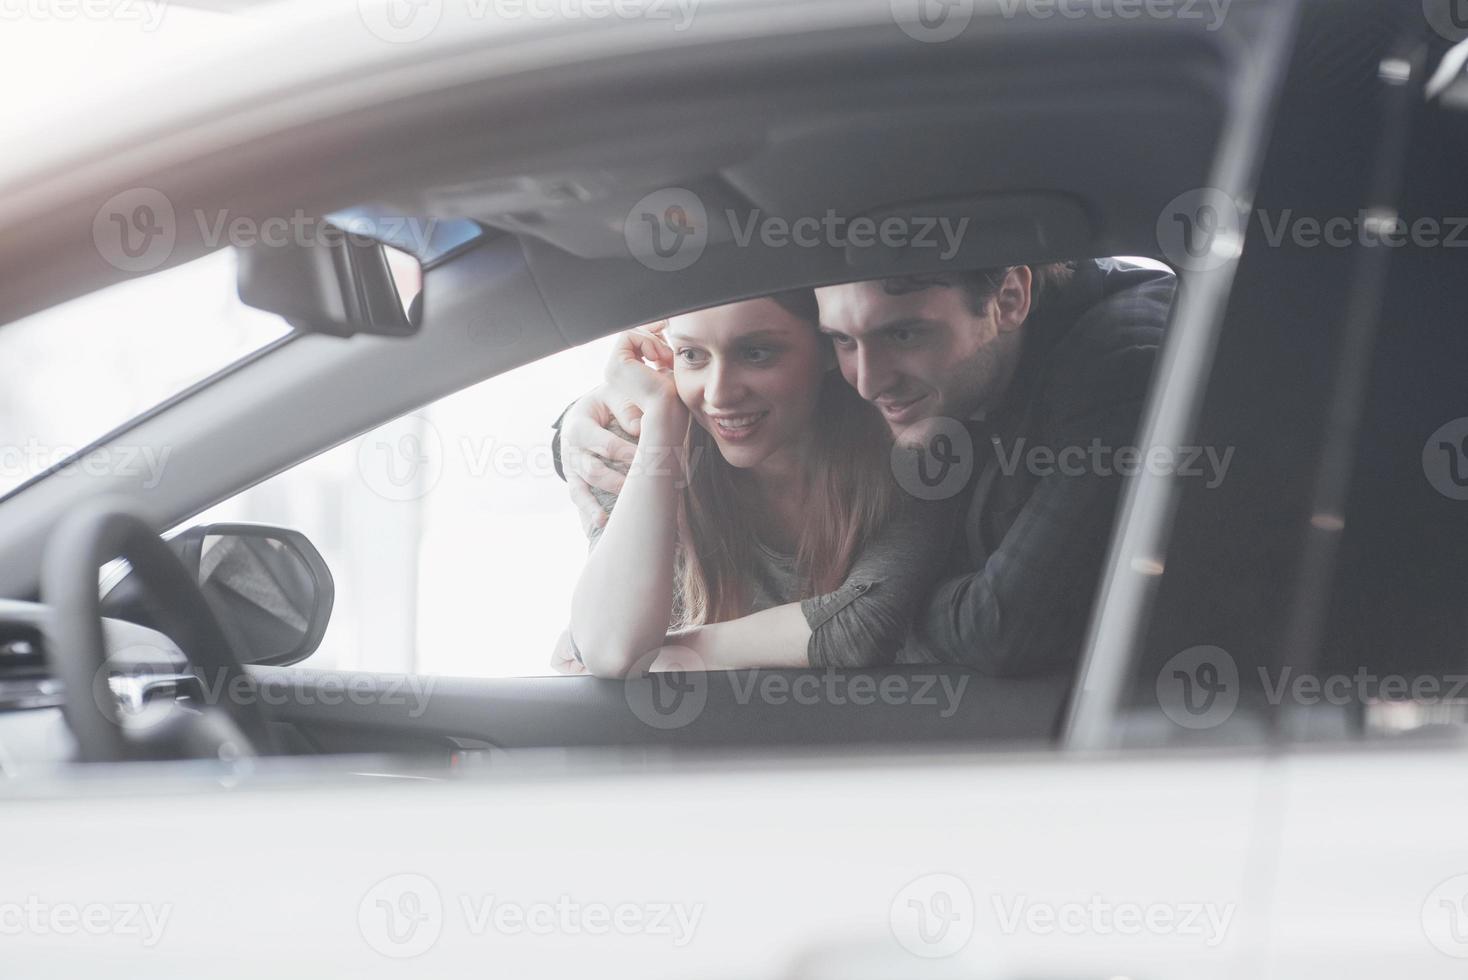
pixel 1024 572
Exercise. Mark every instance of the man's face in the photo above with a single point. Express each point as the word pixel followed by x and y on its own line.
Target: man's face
pixel 926 353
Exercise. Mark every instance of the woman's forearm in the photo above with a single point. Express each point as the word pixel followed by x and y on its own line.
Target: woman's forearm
pixel 624 598
pixel 775 637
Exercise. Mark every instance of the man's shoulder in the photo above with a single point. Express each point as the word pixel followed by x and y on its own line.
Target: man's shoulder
pixel 1129 306
pixel 1106 354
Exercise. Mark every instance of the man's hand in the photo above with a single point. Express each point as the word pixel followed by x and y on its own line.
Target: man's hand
pixel 592 455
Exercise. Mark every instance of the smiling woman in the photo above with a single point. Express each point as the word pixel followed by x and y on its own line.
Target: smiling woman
pixel 77 371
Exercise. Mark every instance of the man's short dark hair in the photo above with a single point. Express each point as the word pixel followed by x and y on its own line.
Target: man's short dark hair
pixel 980 285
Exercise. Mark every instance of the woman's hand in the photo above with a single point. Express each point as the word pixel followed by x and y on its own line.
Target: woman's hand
pixel 640 373
pixel 563 658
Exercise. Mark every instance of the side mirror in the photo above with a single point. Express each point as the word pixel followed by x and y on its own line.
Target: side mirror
pixel 341 283
pixel 269 587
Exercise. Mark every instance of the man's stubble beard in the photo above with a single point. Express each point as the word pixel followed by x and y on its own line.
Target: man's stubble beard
pixel 985 377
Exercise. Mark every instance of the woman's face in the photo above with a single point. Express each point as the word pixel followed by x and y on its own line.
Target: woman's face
pixel 750 373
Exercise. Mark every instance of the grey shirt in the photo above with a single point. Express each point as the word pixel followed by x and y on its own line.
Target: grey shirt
pixel 866 619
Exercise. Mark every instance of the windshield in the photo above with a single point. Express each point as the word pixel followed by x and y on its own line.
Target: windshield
pixel 73 373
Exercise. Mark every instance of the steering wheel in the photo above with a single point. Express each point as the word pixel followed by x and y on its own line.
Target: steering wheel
pixel 76 646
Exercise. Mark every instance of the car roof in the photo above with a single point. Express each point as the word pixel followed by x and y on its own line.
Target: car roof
pixel 1061 137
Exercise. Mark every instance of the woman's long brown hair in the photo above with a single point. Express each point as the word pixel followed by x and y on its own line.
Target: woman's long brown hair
pixel 849 494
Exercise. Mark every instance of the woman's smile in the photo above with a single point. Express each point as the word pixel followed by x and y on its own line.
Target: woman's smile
pixel 736 428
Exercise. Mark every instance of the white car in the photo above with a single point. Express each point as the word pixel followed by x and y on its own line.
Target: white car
pixel 304 303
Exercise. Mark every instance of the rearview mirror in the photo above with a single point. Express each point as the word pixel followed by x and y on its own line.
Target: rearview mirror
pixel 340 283
pixel 268 586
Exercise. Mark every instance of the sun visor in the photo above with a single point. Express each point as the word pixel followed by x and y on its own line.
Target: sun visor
pixel 968 233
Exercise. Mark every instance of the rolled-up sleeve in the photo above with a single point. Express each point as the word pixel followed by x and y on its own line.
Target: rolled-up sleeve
pixel 865 621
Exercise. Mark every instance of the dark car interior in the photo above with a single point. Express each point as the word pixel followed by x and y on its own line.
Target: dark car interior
pixel 1329 553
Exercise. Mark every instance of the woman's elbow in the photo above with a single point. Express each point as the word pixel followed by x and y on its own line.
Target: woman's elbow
pixel 611 659
pixel 879 648
pixel 872 650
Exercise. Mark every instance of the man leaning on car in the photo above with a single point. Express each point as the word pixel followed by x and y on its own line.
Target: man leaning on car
pixel 1025 365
